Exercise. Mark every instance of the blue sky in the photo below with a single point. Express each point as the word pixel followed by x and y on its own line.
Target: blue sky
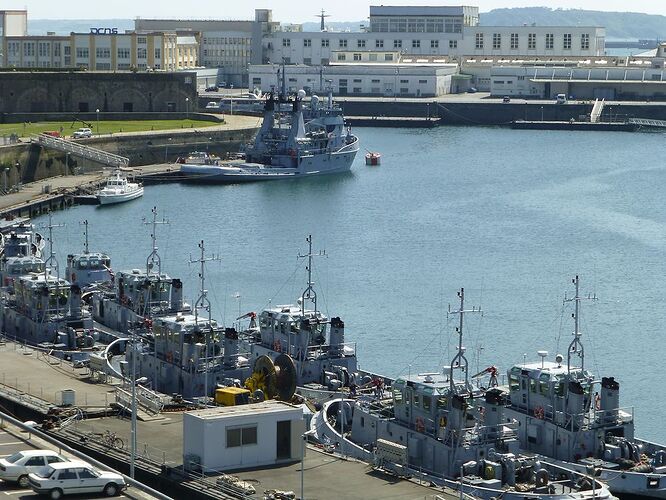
pixel 283 10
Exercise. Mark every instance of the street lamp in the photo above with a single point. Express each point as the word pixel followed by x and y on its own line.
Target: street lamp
pixel 97 111
pixel 166 151
pixel 187 108
pixel 305 438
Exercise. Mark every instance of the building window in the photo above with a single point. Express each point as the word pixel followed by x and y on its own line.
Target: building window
pixel 158 53
pixel 567 41
pixel 497 41
pixel 286 42
pixel 357 90
pixel 416 44
pixel 68 50
pixel 241 436
pixel 379 44
pixel 82 53
pixel 423 81
pixel 102 52
pixel 256 82
pixel 531 41
pixel 374 81
pixel 141 39
pixel 342 44
pixel 307 61
pixel 324 42
pixel 124 53
pixel 388 57
pixel 550 41
pixel 434 44
pixel 397 44
pixel 479 41
pixel 307 42
pixel 141 53
pixel 372 57
pixel 453 44
pixel 357 57
pixel 585 41
pixel 514 41
pixel 342 57
pixel 360 44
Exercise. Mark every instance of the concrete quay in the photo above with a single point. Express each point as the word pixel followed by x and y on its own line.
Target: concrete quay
pixel 31 383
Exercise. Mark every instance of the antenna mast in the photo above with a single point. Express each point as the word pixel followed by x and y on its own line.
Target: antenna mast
pixel 459 360
pixel 85 224
pixel 309 293
pixel 204 303
pixel 52 258
pixel 576 346
pixel 154 258
pixel 322 16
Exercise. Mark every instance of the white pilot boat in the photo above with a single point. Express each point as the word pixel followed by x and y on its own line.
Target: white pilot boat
pixel 119 189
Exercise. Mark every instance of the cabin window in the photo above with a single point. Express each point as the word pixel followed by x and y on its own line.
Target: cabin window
pixel 397 396
pixel 514 382
pixel 442 403
pixel 416 400
pixel 559 389
pixel 427 402
pixel 533 385
pixel 544 384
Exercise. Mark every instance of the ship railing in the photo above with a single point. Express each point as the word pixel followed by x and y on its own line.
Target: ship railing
pixel 145 398
pixel 590 419
pixel 316 351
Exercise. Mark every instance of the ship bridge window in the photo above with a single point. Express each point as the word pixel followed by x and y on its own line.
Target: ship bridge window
pixel 442 403
pixel 514 381
pixel 397 396
pixel 416 399
pixel 559 387
pixel 293 326
pixel 544 384
pixel 427 402
pixel 533 385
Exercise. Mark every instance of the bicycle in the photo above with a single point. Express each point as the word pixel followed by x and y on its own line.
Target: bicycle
pixel 106 438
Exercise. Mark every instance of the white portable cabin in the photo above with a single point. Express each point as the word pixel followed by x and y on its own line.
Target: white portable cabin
pixel 235 437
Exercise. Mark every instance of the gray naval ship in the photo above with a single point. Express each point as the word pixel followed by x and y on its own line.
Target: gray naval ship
pixel 288 146
pixel 440 428
pixel 570 415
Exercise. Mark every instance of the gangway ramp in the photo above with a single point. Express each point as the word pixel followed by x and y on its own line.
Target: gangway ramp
pixel 81 150
pixel 645 122
pixel 597 110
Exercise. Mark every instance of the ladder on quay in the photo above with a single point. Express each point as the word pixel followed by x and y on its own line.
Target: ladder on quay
pixel 80 150
pixel 645 122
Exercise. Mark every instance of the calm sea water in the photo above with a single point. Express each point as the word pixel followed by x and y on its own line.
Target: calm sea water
pixel 511 216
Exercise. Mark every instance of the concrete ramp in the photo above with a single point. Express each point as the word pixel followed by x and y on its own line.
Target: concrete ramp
pixel 82 151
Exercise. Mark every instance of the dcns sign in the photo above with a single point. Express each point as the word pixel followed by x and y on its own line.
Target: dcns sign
pixel 104 31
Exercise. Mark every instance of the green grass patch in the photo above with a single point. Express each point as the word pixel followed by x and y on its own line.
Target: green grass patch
pixel 105 127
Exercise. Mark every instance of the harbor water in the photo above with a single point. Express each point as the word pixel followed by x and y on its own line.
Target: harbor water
pixel 510 215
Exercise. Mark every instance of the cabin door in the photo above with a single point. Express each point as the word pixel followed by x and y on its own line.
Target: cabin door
pixel 283 439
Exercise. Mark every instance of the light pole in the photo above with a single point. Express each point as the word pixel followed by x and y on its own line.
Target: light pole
pixel 166 151
pixel 97 111
pixel 305 438
pixel 541 113
pixel 187 108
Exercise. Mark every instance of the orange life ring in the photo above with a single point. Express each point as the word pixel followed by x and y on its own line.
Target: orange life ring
pixel 539 412
pixel 597 402
pixel 419 425
pixel 277 346
pixel 169 357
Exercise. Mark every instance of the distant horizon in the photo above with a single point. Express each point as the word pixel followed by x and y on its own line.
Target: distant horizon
pixel 288 11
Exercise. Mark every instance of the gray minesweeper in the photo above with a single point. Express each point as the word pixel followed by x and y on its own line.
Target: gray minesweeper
pixel 568 414
pixel 88 268
pixel 447 432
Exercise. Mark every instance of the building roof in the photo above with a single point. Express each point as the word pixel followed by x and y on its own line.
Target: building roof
pixel 269 406
pixel 420 10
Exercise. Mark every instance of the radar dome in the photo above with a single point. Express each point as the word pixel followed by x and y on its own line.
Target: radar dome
pixel 301 94
pixel 314 101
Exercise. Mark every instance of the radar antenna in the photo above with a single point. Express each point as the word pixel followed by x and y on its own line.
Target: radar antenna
pixel 459 360
pixel 154 258
pixel 309 293
pixel 322 16
pixel 576 346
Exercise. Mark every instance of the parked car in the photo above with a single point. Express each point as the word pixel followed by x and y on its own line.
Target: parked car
pixel 506 98
pixel 471 90
pixel 75 477
pixel 212 88
pixel 561 98
pixel 221 84
pixel 82 133
pixel 212 105
pixel 16 467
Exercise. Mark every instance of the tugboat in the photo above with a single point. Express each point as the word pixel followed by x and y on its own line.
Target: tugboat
pixel 569 415
pixel 440 428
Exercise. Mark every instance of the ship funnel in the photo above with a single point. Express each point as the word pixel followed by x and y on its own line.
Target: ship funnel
pixel 609 399
pixel 494 413
pixel 231 348
pixel 75 301
pixel 577 402
pixel 176 295
pixel 337 337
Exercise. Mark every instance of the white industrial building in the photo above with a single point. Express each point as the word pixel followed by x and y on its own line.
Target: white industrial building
pixel 362 78
pixel 235 437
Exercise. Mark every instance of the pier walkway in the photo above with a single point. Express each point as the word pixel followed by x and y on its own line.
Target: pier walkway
pixel 80 150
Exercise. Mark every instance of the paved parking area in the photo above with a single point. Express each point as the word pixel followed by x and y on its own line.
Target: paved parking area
pixel 10 443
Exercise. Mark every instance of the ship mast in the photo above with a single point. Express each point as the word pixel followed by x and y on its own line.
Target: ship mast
pixel 309 292
pixel 51 261
pixel 85 233
pixel 576 346
pixel 204 303
pixel 459 360
pixel 154 259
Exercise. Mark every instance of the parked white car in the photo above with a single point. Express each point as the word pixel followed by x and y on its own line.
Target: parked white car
pixel 75 477
pixel 212 105
pixel 82 132
pixel 16 467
